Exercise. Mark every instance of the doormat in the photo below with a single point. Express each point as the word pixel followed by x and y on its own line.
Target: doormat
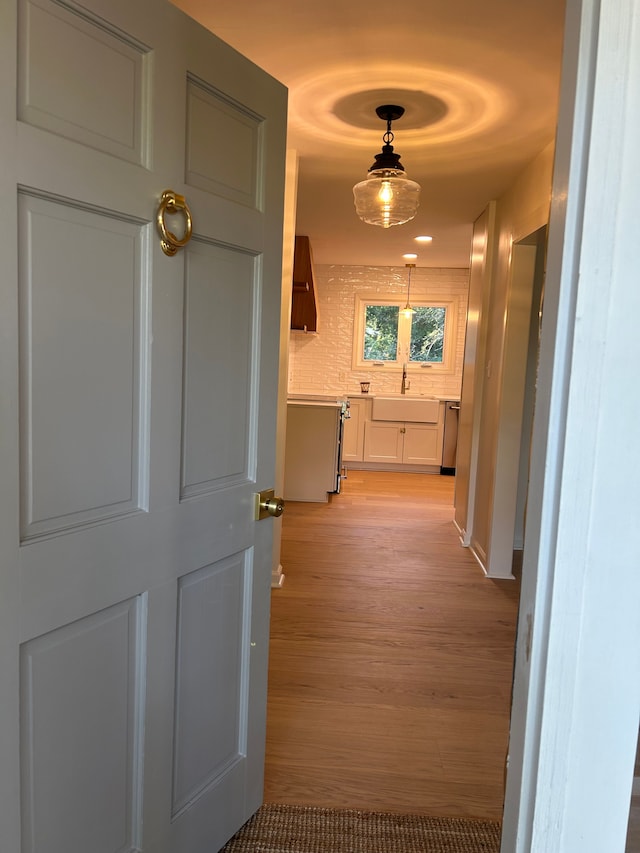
pixel 307 829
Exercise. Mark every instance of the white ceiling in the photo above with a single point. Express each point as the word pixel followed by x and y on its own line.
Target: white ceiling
pixel 478 80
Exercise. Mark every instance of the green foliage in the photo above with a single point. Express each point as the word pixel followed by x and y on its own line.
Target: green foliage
pixel 426 343
pixel 427 334
pixel 381 332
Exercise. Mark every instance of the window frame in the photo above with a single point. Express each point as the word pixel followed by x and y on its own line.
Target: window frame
pixel 447 365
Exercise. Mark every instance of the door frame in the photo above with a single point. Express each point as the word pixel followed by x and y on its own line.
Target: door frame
pixel 576 700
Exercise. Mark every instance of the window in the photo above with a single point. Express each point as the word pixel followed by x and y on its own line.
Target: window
pixel 380 332
pixel 427 334
pixel 385 336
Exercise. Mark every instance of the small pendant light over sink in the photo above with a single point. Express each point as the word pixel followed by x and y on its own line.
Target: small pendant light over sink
pixel 408 310
pixel 387 197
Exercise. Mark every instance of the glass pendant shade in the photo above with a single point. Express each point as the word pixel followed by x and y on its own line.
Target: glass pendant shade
pixel 386 197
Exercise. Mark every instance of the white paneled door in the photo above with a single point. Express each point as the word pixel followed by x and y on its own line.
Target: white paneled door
pixel 137 421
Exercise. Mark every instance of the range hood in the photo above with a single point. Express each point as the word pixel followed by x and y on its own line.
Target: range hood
pixel 304 309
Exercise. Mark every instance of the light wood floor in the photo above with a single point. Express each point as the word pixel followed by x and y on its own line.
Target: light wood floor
pixel 391 656
pixel 633 832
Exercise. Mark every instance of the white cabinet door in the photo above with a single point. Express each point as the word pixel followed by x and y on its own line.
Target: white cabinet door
pixel 138 419
pixel 383 441
pixel 353 433
pixel 422 445
pixel 403 443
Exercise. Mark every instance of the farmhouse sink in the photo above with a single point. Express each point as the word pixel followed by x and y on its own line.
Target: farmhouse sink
pixel 424 410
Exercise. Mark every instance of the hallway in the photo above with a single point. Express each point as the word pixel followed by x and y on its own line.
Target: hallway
pixel 391 656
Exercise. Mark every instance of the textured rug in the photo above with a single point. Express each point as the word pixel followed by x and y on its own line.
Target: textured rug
pixel 303 829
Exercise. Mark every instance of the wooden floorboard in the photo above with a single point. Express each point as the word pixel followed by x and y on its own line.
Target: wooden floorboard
pixel 391 656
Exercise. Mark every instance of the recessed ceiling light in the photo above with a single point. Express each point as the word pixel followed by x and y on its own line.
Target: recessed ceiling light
pixel 423 239
pixel 410 256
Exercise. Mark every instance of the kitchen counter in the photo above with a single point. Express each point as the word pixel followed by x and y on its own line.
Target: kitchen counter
pixel 335 404
pixel 326 399
pixel 408 396
pixel 339 396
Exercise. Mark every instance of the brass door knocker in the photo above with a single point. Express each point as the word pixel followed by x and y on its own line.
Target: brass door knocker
pixel 173 203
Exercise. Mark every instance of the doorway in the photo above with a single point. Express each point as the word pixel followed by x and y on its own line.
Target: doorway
pixel 391 656
pixel 498 397
pixel 536 243
pixel 297 759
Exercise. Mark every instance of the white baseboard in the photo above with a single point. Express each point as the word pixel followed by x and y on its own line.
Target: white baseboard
pixel 480 557
pixel 277 578
pixel 464 539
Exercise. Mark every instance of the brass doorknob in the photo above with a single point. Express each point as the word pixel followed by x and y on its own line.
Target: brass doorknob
pixel 274 507
pixel 267 504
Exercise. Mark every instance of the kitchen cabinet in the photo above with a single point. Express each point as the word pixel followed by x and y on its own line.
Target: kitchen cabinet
pixel 402 443
pixel 422 444
pixel 388 445
pixel 353 436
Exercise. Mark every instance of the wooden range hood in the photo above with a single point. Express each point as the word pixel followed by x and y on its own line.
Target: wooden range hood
pixel 304 309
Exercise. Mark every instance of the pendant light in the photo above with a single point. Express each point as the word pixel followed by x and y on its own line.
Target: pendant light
pixel 408 310
pixel 387 197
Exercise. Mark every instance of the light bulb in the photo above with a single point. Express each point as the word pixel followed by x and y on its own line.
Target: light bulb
pixel 386 198
pixel 386 193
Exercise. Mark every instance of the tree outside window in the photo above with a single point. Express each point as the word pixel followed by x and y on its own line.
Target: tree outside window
pixel 381 332
pixel 427 334
pixel 390 336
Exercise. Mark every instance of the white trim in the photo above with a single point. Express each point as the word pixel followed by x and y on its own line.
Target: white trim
pixel 576 700
pixel 288 243
pixel 396 467
pixel 277 578
pixel 479 556
pixel 462 534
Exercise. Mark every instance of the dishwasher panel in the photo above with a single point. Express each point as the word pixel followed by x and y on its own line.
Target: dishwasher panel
pixel 312 450
pixel 449 444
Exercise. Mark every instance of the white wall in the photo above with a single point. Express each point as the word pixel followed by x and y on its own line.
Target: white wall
pixel 480 276
pixel 321 363
pixel 521 211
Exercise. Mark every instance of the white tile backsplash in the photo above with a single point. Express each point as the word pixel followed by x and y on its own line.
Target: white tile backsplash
pixel 321 363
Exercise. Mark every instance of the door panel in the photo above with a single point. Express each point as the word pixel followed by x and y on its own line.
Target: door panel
pixel 140 391
pixel 80 701
pixel 61 45
pixel 80 294
pixel 224 144
pixel 213 613
pixel 220 304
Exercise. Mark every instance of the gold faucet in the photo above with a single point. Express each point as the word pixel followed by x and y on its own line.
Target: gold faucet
pixel 403 385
